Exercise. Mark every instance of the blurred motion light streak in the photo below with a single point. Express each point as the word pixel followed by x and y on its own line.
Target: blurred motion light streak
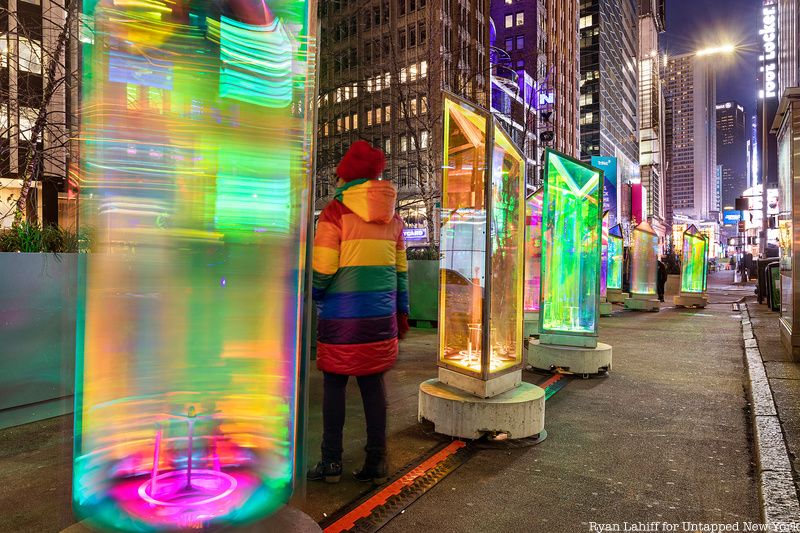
pixel 195 171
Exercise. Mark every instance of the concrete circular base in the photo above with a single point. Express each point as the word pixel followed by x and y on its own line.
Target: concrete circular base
pixel 642 304
pixel 519 412
pixel 583 361
pixel 690 300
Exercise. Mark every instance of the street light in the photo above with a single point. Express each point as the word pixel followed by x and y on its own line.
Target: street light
pixel 726 48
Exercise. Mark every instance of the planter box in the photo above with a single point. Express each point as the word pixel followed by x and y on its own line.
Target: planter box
pixel 423 290
pixel 37 336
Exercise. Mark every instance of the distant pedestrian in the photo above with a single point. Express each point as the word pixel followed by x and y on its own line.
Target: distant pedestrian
pixel 361 290
pixel 733 263
pixel 661 280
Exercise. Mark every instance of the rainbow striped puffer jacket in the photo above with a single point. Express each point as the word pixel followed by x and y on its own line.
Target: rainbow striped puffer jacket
pixel 360 279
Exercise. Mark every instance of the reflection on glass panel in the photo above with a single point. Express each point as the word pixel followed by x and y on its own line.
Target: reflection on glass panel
pixel 694 264
pixel 604 257
pixel 507 230
pixel 615 257
pixel 30 55
pixel 463 237
pixel 188 355
pixel 644 258
pixel 533 250
pixel 571 230
pixel 788 148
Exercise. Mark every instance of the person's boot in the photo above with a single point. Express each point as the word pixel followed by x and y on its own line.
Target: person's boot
pixel 327 471
pixel 375 470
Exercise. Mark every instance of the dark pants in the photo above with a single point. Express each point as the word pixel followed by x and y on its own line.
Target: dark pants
pixel 373 396
pixel 660 284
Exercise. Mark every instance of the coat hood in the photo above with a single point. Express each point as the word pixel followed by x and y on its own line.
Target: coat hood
pixel 371 200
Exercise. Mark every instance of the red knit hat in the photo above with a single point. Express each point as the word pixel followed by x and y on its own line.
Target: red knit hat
pixel 361 161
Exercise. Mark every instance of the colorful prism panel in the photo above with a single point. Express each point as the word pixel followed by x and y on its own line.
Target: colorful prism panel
pixel 644 259
pixel 571 246
pixel 615 258
pixel 195 176
pixel 604 258
pixel 694 264
pixel 533 250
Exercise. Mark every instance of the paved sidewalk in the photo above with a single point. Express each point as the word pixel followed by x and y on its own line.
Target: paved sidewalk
pixel 783 375
pixel 666 437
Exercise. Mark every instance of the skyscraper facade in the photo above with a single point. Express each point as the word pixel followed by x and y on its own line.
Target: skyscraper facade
pixel 518 67
pixel 609 89
pixel 732 141
pixel 34 35
pixel 788 43
pixel 561 87
pixel 690 94
pixel 382 69
pixel 652 19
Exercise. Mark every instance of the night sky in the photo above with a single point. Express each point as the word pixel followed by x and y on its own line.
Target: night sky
pixel 694 24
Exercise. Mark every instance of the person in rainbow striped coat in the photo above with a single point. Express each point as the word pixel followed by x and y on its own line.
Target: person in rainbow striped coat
pixel 361 290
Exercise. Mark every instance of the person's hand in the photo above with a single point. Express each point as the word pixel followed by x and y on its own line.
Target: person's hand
pixel 402 325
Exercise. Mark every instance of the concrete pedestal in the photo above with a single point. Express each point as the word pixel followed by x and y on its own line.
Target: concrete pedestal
pixel 583 361
pixel 530 325
pixel 686 299
pixel 606 309
pixel 479 387
pixel 642 302
pixel 287 519
pixel 616 296
pixel 519 413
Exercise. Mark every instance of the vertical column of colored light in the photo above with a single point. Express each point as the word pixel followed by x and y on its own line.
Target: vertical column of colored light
pixel 694 262
pixel 507 253
pixel 533 250
pixel 615 257
pixel 196 189
pixel 571 246
pixel 644 259
pixel 463 238
pixel 604 257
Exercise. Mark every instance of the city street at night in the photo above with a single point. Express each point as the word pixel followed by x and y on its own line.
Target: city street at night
pixel 666 437
pixel 331 266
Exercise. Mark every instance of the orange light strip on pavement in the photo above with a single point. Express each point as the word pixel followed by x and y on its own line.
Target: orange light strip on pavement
pixel 394 488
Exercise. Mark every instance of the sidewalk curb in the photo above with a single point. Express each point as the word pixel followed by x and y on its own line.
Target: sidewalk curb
pixel 777 492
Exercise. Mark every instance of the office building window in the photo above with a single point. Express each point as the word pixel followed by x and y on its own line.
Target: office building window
pixel 509 21
pixel 520 18
pixel 509 44
pixel 30 55
pixel 520 42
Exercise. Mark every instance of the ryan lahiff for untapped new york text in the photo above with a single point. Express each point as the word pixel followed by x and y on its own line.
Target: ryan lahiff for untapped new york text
pixel 692 527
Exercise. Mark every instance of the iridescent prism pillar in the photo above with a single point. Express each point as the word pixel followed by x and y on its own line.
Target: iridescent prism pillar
pixel 196 151
pixel 616 256
pixel 605 306
pixel 480 358
pixel 571 264
pixel 694 269
pixel 644 269
pixel 533 261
